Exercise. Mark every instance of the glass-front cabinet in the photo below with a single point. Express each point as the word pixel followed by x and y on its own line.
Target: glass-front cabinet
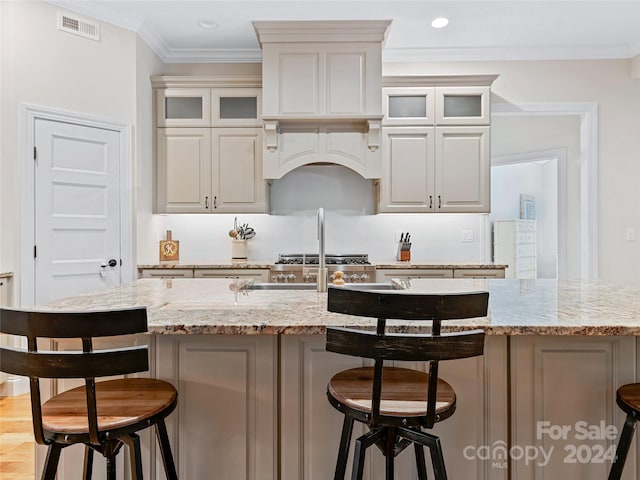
pixel 183 107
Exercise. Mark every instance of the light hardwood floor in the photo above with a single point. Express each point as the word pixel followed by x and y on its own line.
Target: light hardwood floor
pixel 16 439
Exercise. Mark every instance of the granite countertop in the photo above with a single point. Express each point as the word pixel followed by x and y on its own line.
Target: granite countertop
pixel 435 266
pixel 517 307
pixel 267 263
pixel 6 274
pixel 212 264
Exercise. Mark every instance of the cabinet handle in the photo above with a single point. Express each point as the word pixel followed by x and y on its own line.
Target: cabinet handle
pixel 215 202
pixel 430 201
pixel 439 201
pixel 206 202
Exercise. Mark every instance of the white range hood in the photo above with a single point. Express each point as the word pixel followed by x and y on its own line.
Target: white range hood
pixel 322 94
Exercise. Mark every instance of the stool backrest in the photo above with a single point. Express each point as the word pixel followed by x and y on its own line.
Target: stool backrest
pixel 87 363
pixel 381 346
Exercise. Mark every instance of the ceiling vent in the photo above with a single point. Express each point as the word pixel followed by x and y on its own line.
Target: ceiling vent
pixel 78 26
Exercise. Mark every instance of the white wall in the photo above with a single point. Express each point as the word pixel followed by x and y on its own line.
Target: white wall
pixel 46 67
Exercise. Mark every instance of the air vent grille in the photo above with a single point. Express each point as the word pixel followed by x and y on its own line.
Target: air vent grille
pixel 78 26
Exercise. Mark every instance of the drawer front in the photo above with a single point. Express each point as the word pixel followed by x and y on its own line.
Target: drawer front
pixel 526 250
pixel 244 273
pixel 166 273
pixel 525 263
pixel 385 275
pixel 479 273
pixel 525 226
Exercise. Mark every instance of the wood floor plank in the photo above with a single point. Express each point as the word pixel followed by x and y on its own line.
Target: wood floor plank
pixel 16 439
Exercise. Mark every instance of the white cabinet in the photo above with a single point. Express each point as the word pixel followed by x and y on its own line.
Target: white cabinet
pixel 206 107
pixel 260 275
pixel 435 169
pixel 166 273
pixel 386 274
pixel 514 244
pixel 210 170
pixel 561 387
pixel 183 107
pixel 237 183
pixel 322 99
pixel 5 291
pixel 310 427
pixel 462 170
pixel 478 273
pixel 321 68
pixel 224 426
pixel 436 145
pixel 209 145
pixel 183 169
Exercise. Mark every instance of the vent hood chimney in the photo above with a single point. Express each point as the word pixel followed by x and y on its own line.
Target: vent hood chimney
pixel 322 94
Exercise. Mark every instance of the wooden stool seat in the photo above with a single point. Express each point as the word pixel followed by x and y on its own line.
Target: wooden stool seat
pixel 628 399
pixel 404 392
pixel 121 403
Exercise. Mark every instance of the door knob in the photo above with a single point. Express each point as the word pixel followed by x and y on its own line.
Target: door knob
pixel 113 262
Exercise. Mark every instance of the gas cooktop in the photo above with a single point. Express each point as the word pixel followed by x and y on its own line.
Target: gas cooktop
pixel 330 259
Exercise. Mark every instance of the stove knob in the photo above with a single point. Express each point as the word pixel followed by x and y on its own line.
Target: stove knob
pixel 281 278
pixel 355 277
pixel 364 277
pixel 291 278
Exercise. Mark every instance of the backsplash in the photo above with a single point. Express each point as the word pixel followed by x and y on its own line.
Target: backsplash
pixel 435 237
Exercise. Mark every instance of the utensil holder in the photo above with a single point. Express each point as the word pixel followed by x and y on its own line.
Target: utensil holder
pixel 239 249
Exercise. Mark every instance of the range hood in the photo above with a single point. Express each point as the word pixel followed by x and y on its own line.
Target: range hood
pixel 322 94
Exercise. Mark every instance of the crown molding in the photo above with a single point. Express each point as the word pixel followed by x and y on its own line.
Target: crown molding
pixel 590 52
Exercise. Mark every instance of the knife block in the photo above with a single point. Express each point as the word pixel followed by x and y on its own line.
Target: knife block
pixel 404 252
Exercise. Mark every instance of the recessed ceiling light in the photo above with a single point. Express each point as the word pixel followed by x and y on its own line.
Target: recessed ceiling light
pixel 207 24
pixel 440 22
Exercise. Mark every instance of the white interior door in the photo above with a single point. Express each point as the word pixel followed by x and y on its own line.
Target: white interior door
pixel 77 209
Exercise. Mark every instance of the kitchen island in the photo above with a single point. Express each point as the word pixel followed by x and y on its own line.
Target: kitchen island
pixel 251 371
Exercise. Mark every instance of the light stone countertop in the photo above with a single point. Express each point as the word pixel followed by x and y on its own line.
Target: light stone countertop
pixel 6 274
pixel 222 264
pixel 517 307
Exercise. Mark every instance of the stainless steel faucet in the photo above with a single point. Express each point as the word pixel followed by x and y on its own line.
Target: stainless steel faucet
pixel 321 279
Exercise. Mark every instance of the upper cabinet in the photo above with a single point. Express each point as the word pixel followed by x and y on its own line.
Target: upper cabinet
pixel 322 99
pixel 209 145
pixel 436 144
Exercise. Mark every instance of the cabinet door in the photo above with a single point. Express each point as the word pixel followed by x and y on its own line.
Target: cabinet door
pixel 463 170
pixel 408 161
pixel 183 107
pixel 463 105
pixel 225 426
pixel 183 170
pixel 237 171
pixel 562 387
pixel 5 292
pixel 408 106
pixel 310 427
pixel 236 107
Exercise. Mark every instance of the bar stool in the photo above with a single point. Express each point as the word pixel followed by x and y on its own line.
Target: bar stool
pixel 628 399
pixel 103 415
pixel 398 403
